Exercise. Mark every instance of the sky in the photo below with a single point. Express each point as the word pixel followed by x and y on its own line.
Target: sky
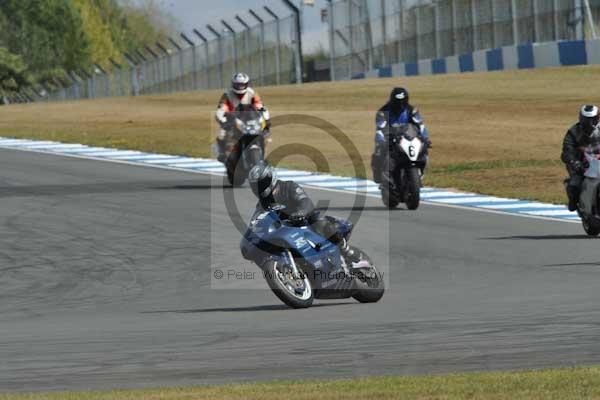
pixel 197 13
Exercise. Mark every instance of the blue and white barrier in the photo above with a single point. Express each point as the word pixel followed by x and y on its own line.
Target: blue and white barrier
pixel 525 56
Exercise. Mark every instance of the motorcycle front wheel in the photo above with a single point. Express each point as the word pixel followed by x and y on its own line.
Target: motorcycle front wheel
pixel 413 188
pixel 294 292
pixel 590 228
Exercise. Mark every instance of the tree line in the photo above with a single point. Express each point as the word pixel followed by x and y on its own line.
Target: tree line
pixel 41 40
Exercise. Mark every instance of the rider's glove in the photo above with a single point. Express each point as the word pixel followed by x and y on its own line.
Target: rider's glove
pixel 428 143
pixel 226 125
pixel 577 167
pixel 268 125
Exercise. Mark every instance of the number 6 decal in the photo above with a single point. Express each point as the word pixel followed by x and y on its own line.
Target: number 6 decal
pixel 411 151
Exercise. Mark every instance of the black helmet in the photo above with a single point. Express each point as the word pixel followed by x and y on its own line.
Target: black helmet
pixel 262 179
pixel 399 99
pixel 589 118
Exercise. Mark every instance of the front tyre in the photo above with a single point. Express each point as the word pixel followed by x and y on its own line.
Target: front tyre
pixel 590 228
pixel 368 282
pixel 235 176
pixel 413 188
pixel 294 292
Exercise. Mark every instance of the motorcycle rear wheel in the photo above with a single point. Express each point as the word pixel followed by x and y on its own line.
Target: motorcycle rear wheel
pixel 283 289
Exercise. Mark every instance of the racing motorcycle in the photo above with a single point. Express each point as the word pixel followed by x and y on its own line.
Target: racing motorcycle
pixel 300 265
pixel 246 148
pixel 403 168
pixel 589 199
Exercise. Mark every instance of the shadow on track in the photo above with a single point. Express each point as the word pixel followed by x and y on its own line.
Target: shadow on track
pixel 583 264
pixel 270 307
pixel 543 237
pixel 365 208
pixel 189 187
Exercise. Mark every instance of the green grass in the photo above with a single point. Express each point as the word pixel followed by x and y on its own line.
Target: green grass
pixel 559 384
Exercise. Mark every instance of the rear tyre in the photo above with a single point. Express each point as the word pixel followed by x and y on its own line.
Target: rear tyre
pixel 235 178
pixel 589 227
pixel 292 292
pixel 369 282
pixel 413 188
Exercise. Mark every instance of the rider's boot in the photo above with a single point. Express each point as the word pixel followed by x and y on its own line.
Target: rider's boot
pixel 351 256
pixel 573 196
pixel 222 150
pixel 376 167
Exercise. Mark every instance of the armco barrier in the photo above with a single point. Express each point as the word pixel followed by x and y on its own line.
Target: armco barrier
pixel 525 56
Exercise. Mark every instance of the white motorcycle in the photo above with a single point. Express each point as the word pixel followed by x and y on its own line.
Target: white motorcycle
pixel 405 162
pixel 589 199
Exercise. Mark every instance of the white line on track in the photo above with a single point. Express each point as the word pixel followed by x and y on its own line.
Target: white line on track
pixel 13 144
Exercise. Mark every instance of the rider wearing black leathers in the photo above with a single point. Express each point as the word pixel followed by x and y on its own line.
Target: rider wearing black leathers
pixel 577 137
pixel 299 208
pixel 397 110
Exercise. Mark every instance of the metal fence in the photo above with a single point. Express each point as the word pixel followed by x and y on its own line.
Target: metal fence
pixel 266 51
pixel 368 34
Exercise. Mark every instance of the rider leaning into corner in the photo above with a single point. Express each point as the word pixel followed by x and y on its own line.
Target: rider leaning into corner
pixel 239 94
pixel 578 137
pixel 397 110
pixel 299 208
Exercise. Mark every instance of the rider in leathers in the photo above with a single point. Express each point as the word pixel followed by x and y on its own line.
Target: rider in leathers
pixel 240 94
pixel 578 136
pixel 397 110
pixel 298 206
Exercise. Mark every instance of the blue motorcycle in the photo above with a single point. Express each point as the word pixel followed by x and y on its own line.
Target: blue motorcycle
pixel 300 265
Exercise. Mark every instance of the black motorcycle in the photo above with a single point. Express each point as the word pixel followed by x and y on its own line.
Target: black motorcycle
pixel 404 164
pixel 246 148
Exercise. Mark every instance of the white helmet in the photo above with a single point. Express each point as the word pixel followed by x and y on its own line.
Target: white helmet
pixel 239 83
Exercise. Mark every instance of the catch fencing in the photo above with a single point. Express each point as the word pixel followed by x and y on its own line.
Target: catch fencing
pixel 368 34
pixel 266 51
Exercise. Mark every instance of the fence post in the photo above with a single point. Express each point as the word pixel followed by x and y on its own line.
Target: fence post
pixel 536 25
pixel 235 49
pixel 493 18
pixel 135 85
pixel 220 53
pixel 474 25
pixel 577 6
pixel 98 70
pixel 400 30
pixel 75 81
pixel 590 19
pixel 89 83
pixel 180 80
pixel 194 60
pixel 119 67
pixel 515 21
pixel 555 19
pixel 156 71
pixel 350 39
pixel 168 82
pixel 206 58
pixel 438 31
pixel 263 69
pixel 418 31
pixel 278 48
pixel 246 34
pixel 331 23
pixel 298 47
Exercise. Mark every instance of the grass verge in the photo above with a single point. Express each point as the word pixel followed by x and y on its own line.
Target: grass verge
pixel 497 133
pixel 563 384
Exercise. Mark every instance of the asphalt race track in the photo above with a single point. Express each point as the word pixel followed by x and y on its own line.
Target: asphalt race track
pixel 105 282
